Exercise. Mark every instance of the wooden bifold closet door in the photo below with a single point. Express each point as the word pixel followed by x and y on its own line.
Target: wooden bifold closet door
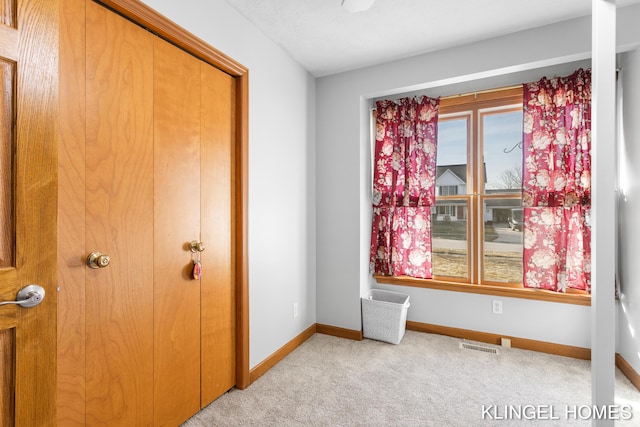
pixel 141 342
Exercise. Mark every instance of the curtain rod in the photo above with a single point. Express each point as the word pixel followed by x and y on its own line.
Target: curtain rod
pixel 618 69
pixel 459 95
pixel 476 92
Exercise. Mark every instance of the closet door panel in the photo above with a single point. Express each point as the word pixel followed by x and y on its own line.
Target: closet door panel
pixel 119 205
pixel 176 223
pixel 217 224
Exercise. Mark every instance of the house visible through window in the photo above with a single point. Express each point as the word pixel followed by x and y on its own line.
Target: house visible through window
pixel 475 230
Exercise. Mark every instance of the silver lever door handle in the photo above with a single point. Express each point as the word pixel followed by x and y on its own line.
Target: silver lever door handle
pixel 29 296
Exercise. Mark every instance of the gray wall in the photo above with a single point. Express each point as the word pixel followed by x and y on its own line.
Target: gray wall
pixel 281 171
pixel 629 210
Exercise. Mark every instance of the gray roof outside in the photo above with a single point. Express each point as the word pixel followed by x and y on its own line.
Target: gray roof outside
pixel 459 170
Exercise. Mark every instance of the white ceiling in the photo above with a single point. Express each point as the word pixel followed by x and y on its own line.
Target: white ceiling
pixel 325 39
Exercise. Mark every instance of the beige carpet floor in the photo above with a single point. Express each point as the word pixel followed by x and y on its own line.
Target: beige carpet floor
pixel 426 380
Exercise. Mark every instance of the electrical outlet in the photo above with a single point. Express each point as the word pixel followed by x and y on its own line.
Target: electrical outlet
pixel 295 309
pixel 497 306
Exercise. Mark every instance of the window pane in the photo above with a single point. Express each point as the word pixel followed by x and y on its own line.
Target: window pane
pixel 449 239
pixel 502 143
pixel 451 176
pixel 502 258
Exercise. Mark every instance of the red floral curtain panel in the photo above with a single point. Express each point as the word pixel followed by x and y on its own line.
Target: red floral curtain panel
pixel 404 178
pixel 557 183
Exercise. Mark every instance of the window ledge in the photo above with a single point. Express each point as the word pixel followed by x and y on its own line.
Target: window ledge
pixel 571 297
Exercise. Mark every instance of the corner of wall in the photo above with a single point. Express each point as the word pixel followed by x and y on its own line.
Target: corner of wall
pixel 628 274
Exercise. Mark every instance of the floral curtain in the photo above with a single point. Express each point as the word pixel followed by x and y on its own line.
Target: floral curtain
pixel 404 178
pixel 557 183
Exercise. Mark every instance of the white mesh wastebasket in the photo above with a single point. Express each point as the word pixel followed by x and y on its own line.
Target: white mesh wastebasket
pixel 384 315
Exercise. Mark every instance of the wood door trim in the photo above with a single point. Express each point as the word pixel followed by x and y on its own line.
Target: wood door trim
pixel 242 236
pixel 148 18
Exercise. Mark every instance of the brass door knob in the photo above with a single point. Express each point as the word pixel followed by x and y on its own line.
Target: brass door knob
pixel 196 246
pixel 98 260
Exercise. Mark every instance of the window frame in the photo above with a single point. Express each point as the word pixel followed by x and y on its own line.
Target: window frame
pixel 475 106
